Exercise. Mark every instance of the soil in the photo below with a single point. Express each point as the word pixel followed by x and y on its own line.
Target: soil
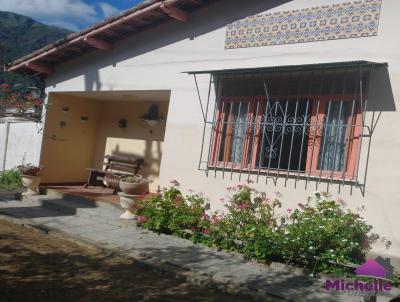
pixel 35 266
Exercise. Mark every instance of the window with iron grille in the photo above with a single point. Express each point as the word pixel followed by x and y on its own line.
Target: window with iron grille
pixel 301 122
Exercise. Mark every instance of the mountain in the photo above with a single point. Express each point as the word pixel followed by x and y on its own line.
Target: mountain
pixel 19 36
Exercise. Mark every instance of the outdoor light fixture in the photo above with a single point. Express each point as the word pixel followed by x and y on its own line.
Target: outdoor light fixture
pixel 152 117
pixel 84 119
pixel 122 123
pixel 65 109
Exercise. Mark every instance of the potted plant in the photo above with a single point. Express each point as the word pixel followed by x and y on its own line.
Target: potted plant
pixel 30 176
pixel 133 185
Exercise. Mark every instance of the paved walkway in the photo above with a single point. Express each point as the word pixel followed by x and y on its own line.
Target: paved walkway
pixel 98 224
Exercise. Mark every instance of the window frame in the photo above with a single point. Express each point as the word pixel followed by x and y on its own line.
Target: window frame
pixel 352 137
pixel 219 129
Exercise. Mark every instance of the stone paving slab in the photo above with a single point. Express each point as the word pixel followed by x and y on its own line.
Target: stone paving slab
pixel 99 224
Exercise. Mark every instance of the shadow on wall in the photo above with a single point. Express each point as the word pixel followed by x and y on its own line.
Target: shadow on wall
pixel 92 80
pixel 219 15
pixel 152 161
pixel 134 138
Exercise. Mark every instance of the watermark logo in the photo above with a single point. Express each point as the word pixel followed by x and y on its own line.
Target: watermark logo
pixel 379 270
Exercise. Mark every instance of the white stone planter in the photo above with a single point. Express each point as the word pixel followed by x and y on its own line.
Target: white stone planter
pixel 128 201
pixel 31 183
pixel 132 188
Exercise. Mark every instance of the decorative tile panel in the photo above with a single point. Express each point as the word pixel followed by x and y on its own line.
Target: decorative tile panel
pixel 330 22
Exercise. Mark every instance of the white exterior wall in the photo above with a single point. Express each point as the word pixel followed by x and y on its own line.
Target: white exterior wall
pixel 157 58
pixel 23 144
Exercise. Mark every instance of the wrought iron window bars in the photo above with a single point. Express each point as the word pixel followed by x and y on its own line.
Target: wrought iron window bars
pixel 290 122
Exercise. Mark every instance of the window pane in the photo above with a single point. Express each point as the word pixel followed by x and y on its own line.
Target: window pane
pixel 333 143
pixel 239 120
pixel 233 132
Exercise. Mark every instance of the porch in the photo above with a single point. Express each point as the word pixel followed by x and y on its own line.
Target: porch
pixel 81 128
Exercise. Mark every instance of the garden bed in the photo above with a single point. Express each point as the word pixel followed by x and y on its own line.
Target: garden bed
pixel 321 235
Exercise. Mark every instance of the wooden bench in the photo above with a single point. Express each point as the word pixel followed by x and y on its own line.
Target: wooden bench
pixel 115 167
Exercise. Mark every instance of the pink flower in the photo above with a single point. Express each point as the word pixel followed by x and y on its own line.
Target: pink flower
pixel 178 200
pixel 249 181
pixel 243 206
pixel 142 219
pixel 289 210
pixel 216 219
pixel 222 199
pixel 175 183
pixel 193 229
pixel 301 206
pixel 206 232
pixel 206 217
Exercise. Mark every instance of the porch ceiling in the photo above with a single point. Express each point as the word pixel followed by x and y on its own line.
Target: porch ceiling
pixel 121 95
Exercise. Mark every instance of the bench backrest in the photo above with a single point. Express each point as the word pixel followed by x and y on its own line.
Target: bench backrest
pixel 121 163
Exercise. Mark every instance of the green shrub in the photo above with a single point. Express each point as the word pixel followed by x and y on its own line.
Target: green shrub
pixel 323 231
pixel 172 213
pixel 321 234
pixel 10 179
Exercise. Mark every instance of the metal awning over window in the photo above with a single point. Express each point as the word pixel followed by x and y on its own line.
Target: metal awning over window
pixel 291 68
pixel 303 122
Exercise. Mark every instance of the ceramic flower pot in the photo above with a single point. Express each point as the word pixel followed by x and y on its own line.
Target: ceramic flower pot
pixel 31 183
pixel 133 188
pixel 128 203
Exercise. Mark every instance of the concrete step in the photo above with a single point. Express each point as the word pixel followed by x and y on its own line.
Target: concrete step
pixel 73 205
pixel 87 202
pixel 60 205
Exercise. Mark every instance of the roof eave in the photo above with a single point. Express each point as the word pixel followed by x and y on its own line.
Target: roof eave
pixel 88 36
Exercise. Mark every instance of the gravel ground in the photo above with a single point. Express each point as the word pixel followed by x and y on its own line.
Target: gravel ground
pixel 39 267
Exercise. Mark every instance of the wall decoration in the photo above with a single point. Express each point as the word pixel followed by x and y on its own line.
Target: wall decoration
pixel 329 22
pixel 123 123
pixel 152 117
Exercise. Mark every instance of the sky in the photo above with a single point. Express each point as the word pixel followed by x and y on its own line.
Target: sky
pixel 71 14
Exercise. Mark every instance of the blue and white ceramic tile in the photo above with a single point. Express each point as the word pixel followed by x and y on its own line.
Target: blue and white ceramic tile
pixel 330 22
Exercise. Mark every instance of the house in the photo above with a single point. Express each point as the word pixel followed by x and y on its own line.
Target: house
pixel 371 268
pixel 386 263
pixel 295 96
